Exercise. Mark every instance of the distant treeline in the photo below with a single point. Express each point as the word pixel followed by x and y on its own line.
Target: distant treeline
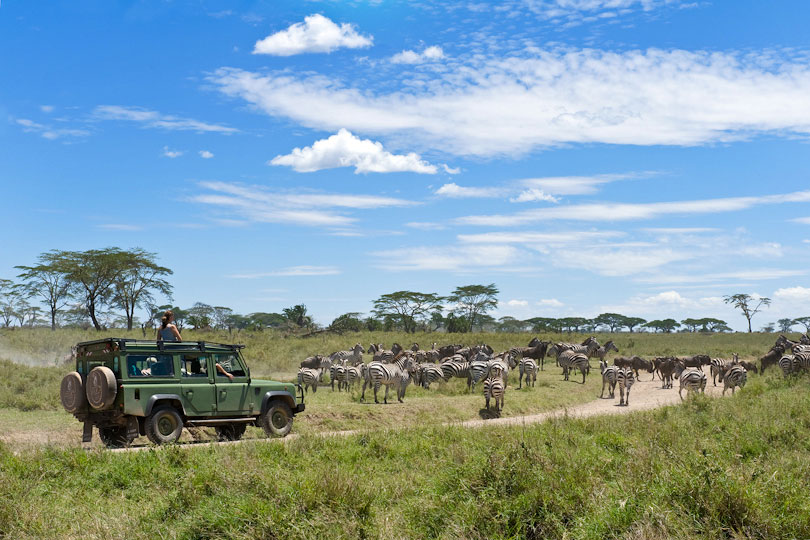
pixel 102 288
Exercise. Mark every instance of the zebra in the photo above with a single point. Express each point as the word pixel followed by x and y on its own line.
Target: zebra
pixel 429 374
pixel 309 377
pixel 495 387
pixel 353 374
pixel 337 373
pixel 717 365
pixel 692 379
pixel 527 367
pixel 733 376
pixel 478 369
pixel 602 351
pixel 536 351
pixel 608 378
pixel 786 364
pixel 389 375
pixel 388 357
pixel 570 359
pixel 352 357
pixel 801 362
pixel 455 368
pixel 801 349
pixel 625 380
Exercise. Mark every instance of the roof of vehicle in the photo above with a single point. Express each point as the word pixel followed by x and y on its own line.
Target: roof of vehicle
pixel 135 345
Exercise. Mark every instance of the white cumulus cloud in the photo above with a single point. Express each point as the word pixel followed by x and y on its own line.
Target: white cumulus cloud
pixel 795 295
pixel 514 303
pixel 171 154
pixel 317 34
pixel 205 154
pixel 346 150
pixel 411 57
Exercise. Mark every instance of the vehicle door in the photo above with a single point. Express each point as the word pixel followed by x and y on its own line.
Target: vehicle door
pixel 232 394
pixel 197 385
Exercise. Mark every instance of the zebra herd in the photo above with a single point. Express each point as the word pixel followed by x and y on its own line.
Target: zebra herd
pixel 396 368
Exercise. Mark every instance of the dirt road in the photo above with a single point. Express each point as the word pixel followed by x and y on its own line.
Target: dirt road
pixel 644 395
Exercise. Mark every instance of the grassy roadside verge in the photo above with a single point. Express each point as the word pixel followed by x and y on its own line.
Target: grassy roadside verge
pixel 733 468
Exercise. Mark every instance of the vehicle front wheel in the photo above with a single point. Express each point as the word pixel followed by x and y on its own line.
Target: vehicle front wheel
pixel 277 420
pixel 114 436
pixel 164 425
pixel 232 432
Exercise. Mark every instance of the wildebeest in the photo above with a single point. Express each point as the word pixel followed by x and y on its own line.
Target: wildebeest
pixel 314 362
pixel 772 357
pixel 634 362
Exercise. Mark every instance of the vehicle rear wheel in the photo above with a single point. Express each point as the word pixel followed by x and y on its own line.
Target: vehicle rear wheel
pixel 231 432
pixel 114 436
pixel 277 420
pixel 164 425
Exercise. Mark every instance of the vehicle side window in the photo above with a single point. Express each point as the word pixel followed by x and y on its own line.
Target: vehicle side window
pixel 150 365
pixel 230 363
pixel 194 366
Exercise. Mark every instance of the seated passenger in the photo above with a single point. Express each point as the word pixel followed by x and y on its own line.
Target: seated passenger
pixel 224 367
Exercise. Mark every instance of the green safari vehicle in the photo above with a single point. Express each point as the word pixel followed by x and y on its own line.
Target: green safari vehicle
pixel 127 387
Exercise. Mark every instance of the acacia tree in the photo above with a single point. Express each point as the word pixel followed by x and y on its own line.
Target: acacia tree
pixel 785 325
pixel 8 296
pixel 804 321
pixel 138 277
pixel 297 316
pixel 407 307
pixel 749 305
pixel 665 325
pixel 474 300
pixel 91 274
pixel 613 321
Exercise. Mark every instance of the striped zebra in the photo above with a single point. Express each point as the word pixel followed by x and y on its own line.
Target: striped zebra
pixel 608 378
pixel 308 377
pixel 429 374
pixel 495 387
pixel 352 357
pixel 801 349
pixel 625 380
pixel 801 362
pixel 693 380
pixel 527 367
pixel 717 365
pixel 786 364
pixel 478 369
pixel 603 351
pixel 389 375
pixel 353 374
pixel 569 360
pixel 733 376
pixel 455 369
pixel 337 373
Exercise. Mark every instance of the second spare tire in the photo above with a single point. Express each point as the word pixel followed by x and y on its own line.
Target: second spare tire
pixel 71 392
pixel 101 388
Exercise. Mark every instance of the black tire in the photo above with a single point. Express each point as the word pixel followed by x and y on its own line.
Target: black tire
pixel 114 436
pixel 164 425
pixel 277 420
pixel 231 432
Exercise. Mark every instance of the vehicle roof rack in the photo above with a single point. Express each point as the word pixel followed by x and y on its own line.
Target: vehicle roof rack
pixel 162 345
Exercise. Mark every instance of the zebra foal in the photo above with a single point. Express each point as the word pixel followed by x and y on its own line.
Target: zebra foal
pixel 625 380
pixel 693 380
pixel 733 376
pixel 608 378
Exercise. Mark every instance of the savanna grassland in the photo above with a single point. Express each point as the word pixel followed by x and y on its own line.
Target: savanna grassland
pixel 736 467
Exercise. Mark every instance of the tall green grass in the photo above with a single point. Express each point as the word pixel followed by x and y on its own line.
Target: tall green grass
pixel 712 468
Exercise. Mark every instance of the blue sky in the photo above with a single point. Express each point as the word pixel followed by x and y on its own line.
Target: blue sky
pixel 640 156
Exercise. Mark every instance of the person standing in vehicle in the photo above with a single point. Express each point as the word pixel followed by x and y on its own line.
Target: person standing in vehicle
pixel 168 331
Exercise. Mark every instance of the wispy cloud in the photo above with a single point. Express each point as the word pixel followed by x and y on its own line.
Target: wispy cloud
pixel 345 150
pixel 49 131
pixel 154 119
pixel 317 34
pixel 760 274
pixel 447 258
pixel 803 220
pixel 429 54
pixel 536 189
pixel 454 191
pixel 602 212
pixel 303 270
pixel 258 204
pixel 541 98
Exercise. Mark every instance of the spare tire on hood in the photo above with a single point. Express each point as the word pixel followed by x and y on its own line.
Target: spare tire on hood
pixel 72 392
pixel 101 388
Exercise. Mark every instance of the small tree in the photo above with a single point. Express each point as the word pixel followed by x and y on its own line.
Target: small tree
pixel 200 316
pixel 632 322
pixel 691 324
pixel 48 281
pixel 613 321
pixel 769 328
pixel 785 325
pixel 348 322
pixel 749 305
pixel 474 300
pixel 91 274
pixel 665 325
